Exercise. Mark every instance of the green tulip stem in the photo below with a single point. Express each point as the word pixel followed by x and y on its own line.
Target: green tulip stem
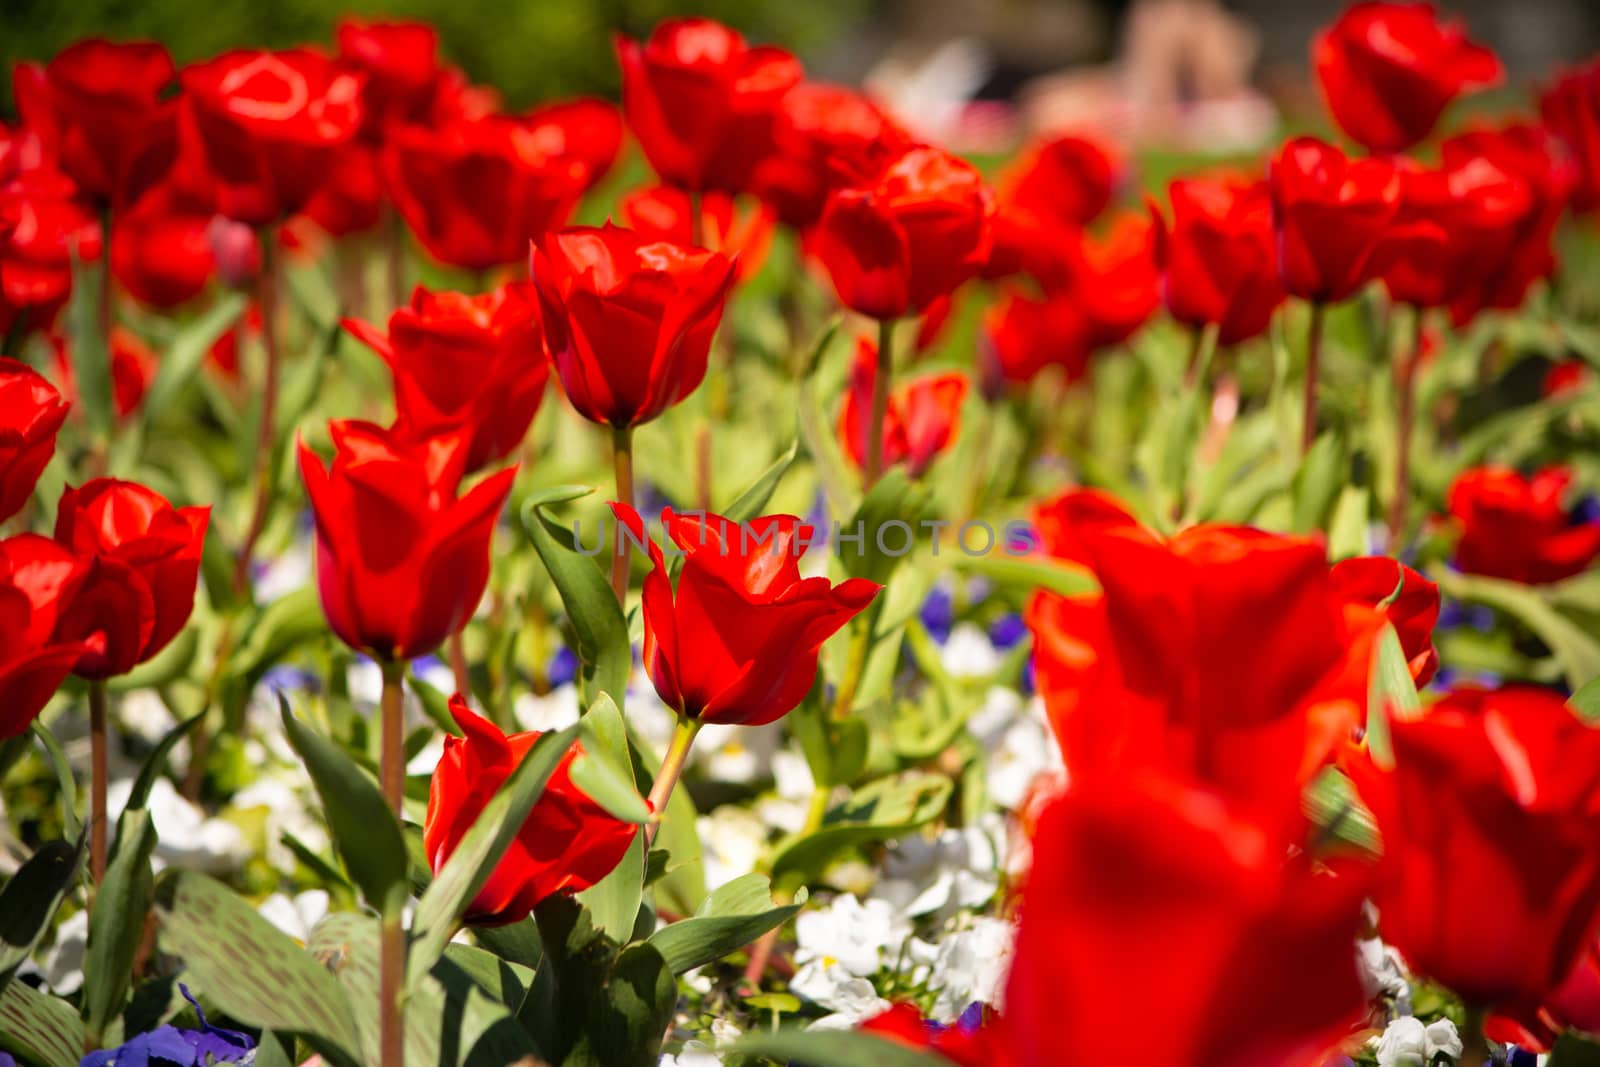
pixel 1308 432
pixel 392 934
pixel 1405 416
pixel 266 432
pixel 622 454
pixel 672 765
pixel 880 403
pixel 98 776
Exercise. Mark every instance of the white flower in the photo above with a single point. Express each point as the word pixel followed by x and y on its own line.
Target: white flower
pixel 185 836
pixel 290 571
pixel 145 715
pixel 791 774
pixel 957 869
pixel 1019 743
pixel 737 754
pixel 647 714
pixel 851 999
pixel 733 840
pixel 297 915
pixel 63 964
pixel 1382 974
pixel 693 1054
pixel 968 653
pixel 283 794
pixel 1406 1042
pixel 970 966
pixel 556 710
pixel 859 938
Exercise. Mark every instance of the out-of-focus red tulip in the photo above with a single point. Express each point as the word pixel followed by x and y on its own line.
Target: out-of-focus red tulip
pixel 38 577
pixel 269 125
pixel 1408 601
pixel 736 640
pixel 825 137
pixel 567 844
pixel 1575 1005
pixel 144 561
pixel 1147 885
pixel 31 414
pixel 350 199
pixel 1219 256
pixel 1223 653
pixel 401 64
pixel 476 191
pixel 903 1024
pixel 628 321
pixel 896 246
pixel 1056 188
pixel 1565 377
pixel 661 213
pixel 1570 108
pixel 162 260
pixel 1387 71
pixel 1490 879
pixel 1330 213
pixel 401 561
pixel 91 106
pixel 702 102
pixel 133 368
pixel 469 363
pixel 1520 528
pixel 921 421
pixel 43 226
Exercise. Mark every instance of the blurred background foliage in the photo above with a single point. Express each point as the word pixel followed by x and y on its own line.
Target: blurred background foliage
pixel 530 51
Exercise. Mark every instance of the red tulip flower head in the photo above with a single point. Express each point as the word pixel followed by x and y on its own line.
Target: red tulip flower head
pixel 144 562
pixel 1570 110
pixel 1056 188
pixel 1219 256
pixel 628 321
pixel 1491 845
pixel 702 102
pixel 38 577
pixel 269 125
pixel 921 229
pixel 736 640
pixel 472 363
pixel 740 231
pixel 1406 600
pixel 1331 214
pixel 401 64
pixel 401 561
pixel 44 226
pixel 92 106
pixel 1387 71
pixel 922 419
pixel 1520 528
pixel 568 843
pixel 31 414
pixel 1146 891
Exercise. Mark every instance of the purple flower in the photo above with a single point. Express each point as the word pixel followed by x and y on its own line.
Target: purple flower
pixel 169 1044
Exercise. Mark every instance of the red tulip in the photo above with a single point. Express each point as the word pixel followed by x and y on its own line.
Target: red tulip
pixel 702 102
pixel 825 137
pixel 1575 1004
pixel 1330 213
pixel 628 321
pixel 1055 189
pixel 475 192
pixel 1491 849
pixel 162 259
pixel 1387 70
pixel 42 228
pixel 144 561
pixel 1224 653
pixel 736 640
pixel 92 105
pixel 1570 108
pixel 661 213
pixel 1406 600
pixel 1565 378
pixel 31 414
pixel 1219 257
pixel 1144 891
pixel 896 246
pixel 269 124
pixel 401 64
pixel 903 1024
pixel 1519 528
pixel 469 363
pixel 37 578
pixel 567 844
pixel 133 368
pixel 350 199
pixel 401 560
pixel 921 421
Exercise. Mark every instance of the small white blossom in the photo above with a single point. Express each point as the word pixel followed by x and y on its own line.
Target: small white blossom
pixel 969 654
pixel 1406 1042
pixel 955 870
pixel 733 839
pixel 556 710
pixel 858 937
pixel 298 915
pixel 1019 744
pixel 737 754
pixel 694 1054
pixel 970 966
pixel 851 999
pixel 185 836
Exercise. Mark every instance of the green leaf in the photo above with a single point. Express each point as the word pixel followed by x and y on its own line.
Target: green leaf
pixel 613 901
pixel 91 356
pixel 1390 691
pixel 835 749
pixel 188 349
pixel 753 500
pixel 276 630
pixel 1575 649
pixel 1347 529
pixel 1331 803
pixel 517 943
pixel 504 981
pixel 450 1021
pixel 30 899
pixel 446 899
pixel 116 922
pixel 888 525
pixel 156 761
pixel 835 1048
pixel 731 917
pixel 605 657
pixel 604 770
pixel 880 811
pixel 1027 573
pixel 67 785
pixel 1586 701
pixel 40 1028
pixel 1317 483
pixel 249 969
pixel 364 827
pixel 630 1017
